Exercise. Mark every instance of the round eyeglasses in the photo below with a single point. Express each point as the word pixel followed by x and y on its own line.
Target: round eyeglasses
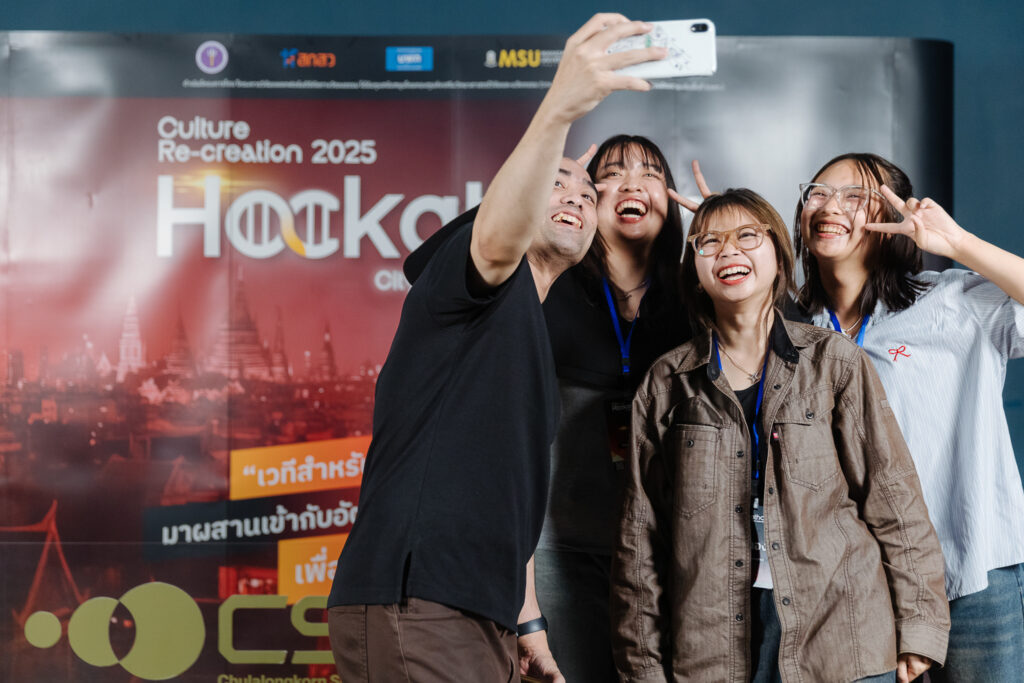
pixel 746 237
pixel 851 198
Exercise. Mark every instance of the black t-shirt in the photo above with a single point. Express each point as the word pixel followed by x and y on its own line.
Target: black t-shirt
pixel 583 338
pixel 748 400
pixel 583 509
pixel 456 477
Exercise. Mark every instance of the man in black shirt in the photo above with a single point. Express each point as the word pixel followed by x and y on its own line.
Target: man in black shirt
pixel 436 578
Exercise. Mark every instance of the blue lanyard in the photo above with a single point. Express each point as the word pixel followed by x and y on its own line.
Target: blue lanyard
pixel 624 344
pixel 839 328
pixel 757 411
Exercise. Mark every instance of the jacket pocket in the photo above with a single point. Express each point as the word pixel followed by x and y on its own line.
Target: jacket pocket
pixel 694 451
pixel 803 428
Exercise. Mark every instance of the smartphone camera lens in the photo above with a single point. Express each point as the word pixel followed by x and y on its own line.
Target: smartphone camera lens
pixel 699 28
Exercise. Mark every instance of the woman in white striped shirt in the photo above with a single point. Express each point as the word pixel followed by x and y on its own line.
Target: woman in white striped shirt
pixel 940 342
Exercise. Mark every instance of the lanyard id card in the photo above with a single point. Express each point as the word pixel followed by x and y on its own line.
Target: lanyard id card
pixel 618 412
pixel 764 572
pixel 760 549
pixel 624 342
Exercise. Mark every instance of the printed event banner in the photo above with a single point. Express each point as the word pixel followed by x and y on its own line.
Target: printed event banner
pixel 239 527
pixel 305 566
pixel 202 239
pixel 293 468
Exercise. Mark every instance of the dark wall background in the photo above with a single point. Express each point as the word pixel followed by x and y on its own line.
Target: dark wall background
pixel 989 65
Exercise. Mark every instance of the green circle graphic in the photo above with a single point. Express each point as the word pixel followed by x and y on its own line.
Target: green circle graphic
pixel 89 631
pixel 169 631
pixel 42 630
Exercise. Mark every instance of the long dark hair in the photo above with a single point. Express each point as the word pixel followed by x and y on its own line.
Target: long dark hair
pixel 668 245
pixel 698 303
pixel 893 260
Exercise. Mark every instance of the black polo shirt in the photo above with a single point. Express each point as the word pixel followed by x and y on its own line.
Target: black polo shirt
pixel 456 477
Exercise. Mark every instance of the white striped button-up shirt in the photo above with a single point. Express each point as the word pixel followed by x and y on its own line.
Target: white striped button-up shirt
pixel 943 365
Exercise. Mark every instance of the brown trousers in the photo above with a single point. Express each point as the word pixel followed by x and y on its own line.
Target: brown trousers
pixel 419 641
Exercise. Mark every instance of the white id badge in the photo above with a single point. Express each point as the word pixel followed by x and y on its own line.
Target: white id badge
pixel 764 572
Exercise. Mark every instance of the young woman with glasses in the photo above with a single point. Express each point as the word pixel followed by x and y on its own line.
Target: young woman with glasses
pixel 773 524
pixel 940 343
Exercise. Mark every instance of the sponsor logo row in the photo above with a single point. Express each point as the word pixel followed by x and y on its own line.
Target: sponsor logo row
pixel 212 57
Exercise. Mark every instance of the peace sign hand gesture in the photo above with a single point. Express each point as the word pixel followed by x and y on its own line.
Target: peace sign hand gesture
pixel 702 187
pixel 933 230
pixel 927 223
pixel 585 158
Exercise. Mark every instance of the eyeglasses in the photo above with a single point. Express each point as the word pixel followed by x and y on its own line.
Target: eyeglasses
pixel 851 198
pixel 746 237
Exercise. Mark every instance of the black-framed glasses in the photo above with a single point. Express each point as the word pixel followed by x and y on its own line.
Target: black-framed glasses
pixel 746 237
pixel 851 198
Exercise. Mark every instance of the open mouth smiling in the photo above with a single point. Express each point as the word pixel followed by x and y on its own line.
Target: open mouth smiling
pixel 733 274
pixel 568 219
pixel 631 209
pixel 831 229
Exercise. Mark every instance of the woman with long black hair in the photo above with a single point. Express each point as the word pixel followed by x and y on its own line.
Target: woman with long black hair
pixel 940 342
pixel 608 319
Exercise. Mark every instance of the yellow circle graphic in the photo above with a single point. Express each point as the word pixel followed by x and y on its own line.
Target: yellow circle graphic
pixel 169 631
pixel 89 631
pixel 42 630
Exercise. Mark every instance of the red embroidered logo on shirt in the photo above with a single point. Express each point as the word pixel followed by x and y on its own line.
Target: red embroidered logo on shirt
pixel 899 351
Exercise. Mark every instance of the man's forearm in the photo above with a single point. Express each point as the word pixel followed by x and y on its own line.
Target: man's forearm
pixel 513 206
pixel 515 200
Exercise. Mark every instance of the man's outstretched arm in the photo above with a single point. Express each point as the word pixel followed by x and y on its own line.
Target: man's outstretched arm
pixel 514 204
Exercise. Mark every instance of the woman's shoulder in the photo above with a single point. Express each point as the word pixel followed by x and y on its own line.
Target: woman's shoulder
pixel 820 344
pixel 956 290
pixel 572 294
pixel 805 334
pixel 950 281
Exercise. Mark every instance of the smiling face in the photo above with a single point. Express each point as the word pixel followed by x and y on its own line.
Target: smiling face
pixel 736 276
pixel 832 234
pixel 571 215
pixel 634 201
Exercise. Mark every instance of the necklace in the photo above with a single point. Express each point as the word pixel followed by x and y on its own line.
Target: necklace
pixel 625 294
pixel 753 376
pixel 851 328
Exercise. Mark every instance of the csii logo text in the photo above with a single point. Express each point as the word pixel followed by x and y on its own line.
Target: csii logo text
pixel 169 631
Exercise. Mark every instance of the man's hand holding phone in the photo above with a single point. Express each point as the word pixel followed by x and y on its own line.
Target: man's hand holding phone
pixel 690 44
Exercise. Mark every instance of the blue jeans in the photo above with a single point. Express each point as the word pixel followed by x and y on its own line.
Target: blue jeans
pixel 986 641
pixel 766 632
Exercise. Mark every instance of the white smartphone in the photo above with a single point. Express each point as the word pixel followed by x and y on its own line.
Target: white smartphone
pixel 691 49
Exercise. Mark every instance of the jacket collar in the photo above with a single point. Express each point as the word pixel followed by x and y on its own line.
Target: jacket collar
pixel 786 339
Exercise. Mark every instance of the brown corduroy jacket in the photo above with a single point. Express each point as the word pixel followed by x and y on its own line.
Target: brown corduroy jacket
pixel 856 564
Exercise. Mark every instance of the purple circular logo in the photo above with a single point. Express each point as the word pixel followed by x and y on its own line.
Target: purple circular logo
pixel 212 57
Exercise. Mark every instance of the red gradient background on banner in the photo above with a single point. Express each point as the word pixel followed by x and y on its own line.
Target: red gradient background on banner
pixel 84 219
pixel 130 377
pixel 133 380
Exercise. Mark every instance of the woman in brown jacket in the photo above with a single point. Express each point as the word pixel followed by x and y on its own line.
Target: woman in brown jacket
pixel 773 526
